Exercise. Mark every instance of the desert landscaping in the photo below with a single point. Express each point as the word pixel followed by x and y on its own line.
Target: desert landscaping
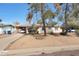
pixel 30 41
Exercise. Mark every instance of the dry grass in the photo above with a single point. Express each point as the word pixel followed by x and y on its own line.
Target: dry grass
pixel 31 41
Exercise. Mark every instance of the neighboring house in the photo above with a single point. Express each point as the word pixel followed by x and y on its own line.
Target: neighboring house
pixel 1 31
pixel 1 28
pixel 6 29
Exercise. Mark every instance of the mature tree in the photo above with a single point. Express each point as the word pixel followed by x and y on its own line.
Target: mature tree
pixel 58 6
pixel 49 14
pixel 74 16
pixel 40 22
pixel 39 7
pixel 29 17
pixel 75 11
pixel 52 23
pixel 45 14
pixel 66 13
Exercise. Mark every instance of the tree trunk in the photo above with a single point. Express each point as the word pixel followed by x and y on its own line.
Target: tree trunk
pixel 66 26
pixel 43 19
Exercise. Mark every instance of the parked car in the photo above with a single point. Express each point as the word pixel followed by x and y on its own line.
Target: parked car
pixel 9 32
pixel 22 31
pixel 31 31
pixel 71 30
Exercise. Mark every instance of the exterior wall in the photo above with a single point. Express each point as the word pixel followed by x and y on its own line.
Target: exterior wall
pixel 48 30
pixel 27 31
pixel 5 30
pixel 1 31
pixel 40 30
pixel 56 30
pixel 17 29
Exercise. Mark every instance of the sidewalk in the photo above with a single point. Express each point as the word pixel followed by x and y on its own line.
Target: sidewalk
pixel 37 51
pixel 6 41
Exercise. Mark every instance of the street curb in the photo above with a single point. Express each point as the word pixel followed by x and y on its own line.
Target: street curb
pixel 35 51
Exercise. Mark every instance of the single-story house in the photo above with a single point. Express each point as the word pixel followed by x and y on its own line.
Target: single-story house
pixel 6 29
pixel 55 29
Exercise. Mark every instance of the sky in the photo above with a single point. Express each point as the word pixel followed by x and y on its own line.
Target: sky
pixel 9 13
pixel 12 12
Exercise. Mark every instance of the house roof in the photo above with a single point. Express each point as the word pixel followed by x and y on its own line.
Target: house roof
pixel 4 25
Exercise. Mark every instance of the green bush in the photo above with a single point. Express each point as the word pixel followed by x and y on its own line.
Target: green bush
pixel 50 32
pixel 77 32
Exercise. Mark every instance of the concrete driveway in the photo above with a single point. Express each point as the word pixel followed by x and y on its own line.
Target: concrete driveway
pixel 7 40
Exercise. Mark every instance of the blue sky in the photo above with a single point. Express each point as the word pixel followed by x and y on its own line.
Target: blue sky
pixel 11 12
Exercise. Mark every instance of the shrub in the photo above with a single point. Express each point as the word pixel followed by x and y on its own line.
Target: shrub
pixel 77 32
